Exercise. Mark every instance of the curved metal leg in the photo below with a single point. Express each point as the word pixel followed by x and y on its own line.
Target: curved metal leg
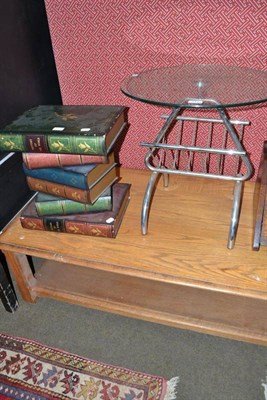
pixel 166 180
pixel 237 200
pixel 161 144
pixel 147 201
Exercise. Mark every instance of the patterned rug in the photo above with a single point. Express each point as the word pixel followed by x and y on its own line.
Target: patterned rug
pixel 31 371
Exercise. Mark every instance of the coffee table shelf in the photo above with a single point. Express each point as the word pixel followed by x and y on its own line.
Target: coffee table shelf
pixel 181 274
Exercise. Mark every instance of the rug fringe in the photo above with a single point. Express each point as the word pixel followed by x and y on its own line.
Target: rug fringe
pixel 172 388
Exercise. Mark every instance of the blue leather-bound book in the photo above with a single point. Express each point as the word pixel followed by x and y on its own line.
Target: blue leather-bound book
pixel 78 176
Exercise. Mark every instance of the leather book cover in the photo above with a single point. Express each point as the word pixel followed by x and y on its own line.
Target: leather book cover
pixel 57 160
pixel 67 129
pixel 78 176
pixel 50 205
pixel 103 224
pixel 72 193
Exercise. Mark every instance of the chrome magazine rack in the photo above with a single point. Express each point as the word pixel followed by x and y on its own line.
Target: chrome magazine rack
pixel 200 147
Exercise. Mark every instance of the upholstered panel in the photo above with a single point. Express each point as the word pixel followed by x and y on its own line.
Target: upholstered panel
pixel 98 43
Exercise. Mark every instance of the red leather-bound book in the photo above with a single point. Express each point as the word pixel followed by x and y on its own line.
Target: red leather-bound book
pixel 49 160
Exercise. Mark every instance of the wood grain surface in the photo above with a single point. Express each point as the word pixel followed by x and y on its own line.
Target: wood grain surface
pixel 180 274
pixel 186 241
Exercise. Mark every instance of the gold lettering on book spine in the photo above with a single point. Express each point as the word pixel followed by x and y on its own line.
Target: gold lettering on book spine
pixel 98 232
pixel 58 146
pixel 76 196
pixel 39 187
pixel 75 229
pixel 11 145
pixel 67 116
pixel 55 191
pixel 86 148
pixel 32 225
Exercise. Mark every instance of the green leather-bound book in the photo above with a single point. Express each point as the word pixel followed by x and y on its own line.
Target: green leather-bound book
pixel 86 130
pixel 46 204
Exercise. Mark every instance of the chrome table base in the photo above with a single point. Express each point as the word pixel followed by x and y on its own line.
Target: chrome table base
pixel 184 156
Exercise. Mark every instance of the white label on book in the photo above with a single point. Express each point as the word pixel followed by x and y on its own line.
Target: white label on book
pixel 58 128
pixel 109 220
pixel 85 129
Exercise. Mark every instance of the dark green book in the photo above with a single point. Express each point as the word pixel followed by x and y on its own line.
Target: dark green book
pixel 86 130
pixel 51 205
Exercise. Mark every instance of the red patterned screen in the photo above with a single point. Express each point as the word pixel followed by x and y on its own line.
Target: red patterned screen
pixel 97 43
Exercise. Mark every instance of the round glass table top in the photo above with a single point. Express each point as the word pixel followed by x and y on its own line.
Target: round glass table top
pixel 198 86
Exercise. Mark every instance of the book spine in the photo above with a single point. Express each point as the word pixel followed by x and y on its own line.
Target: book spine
pixel 89 229
pixel 49 160
pixel 58 175
pixel 63 207
pixel 56 189
pixel 65 144
pixel 65 226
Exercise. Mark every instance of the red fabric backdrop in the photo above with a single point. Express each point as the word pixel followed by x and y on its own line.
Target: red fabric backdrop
pixel 97 43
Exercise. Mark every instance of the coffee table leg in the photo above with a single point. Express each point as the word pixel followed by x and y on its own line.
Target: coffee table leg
pixel 238 191
pixel 23 274
pixel 155 174
pixel 7 294
pixel 147 201
pixel 237 199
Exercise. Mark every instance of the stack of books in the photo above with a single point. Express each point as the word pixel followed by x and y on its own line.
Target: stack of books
pixel 68 159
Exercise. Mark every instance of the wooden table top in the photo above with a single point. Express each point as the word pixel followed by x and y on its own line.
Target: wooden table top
pixel 186 241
